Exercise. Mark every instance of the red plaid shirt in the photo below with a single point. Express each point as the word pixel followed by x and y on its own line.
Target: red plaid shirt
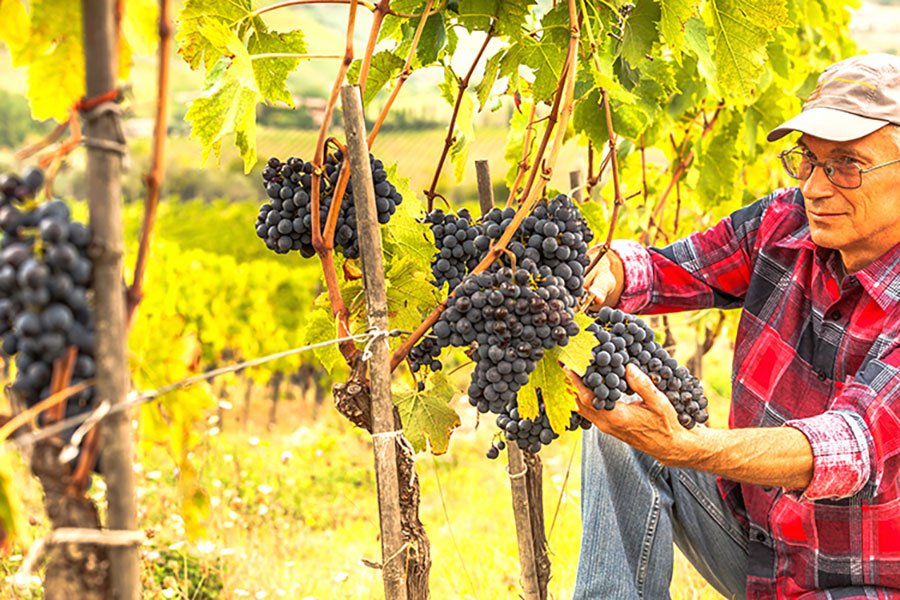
pixel 810 353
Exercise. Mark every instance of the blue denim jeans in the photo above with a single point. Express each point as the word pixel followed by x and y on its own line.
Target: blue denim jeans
pixel 633 509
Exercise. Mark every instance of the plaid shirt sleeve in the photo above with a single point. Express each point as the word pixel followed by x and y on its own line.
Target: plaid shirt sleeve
pixel 857 442
pixel 707 269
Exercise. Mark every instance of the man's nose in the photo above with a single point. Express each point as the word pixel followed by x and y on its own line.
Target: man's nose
pixel 817 185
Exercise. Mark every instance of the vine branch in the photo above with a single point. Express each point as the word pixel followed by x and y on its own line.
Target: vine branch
pixel 683 163
pixel 154 177
pixel 403 76
pixel 451 138
pixel 523 165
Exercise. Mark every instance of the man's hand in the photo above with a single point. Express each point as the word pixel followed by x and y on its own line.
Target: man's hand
pixel 605 281
pixel 772 456
pixel 650 425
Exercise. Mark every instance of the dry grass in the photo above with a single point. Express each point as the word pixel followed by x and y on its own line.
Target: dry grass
pixel 294 515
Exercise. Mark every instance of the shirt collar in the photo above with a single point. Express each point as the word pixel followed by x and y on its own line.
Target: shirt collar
pixel 881 279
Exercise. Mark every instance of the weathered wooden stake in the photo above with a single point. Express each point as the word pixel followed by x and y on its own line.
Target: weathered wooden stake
pixel 102 133
pixel 576 183
pixel 383 424
pixel 527 507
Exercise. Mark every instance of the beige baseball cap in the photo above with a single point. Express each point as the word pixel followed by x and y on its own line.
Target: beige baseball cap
pixel 853 98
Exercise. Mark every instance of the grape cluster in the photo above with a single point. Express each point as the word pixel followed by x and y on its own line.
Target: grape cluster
pixel 285 221
pixel 509 315
pixel 454 236
pixel 45 301
pixel 554 240
pixel 623 339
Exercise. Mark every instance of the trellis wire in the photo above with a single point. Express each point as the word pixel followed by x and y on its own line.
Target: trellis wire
pixel 135 399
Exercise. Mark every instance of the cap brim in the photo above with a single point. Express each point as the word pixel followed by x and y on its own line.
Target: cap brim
pixel 829 124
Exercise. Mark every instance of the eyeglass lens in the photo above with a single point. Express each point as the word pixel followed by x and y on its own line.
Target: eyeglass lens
pixel 841 173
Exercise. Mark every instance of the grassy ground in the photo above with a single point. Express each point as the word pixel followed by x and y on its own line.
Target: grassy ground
pixel 294 514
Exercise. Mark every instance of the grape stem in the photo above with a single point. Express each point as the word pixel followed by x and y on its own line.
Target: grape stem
pixel 451 138
pixel 154 177
pixel 566 87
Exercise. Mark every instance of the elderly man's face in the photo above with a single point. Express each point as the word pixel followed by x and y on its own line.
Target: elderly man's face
pixel 863 223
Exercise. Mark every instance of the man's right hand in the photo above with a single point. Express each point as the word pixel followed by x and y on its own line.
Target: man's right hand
pixel 605 281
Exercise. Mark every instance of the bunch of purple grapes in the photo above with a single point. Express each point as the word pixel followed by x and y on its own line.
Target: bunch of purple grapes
pixel 508 316
pixel 623 339
pixel 285 221
pixel 45 296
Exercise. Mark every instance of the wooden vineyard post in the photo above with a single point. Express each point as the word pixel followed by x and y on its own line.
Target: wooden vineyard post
pixel 103 137
pixel 524 473
pixel 383 423
pixel 576 184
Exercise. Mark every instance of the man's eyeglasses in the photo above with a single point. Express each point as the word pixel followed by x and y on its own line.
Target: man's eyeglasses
pixel 843 173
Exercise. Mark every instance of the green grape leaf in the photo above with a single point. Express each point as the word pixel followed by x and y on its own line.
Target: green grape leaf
pixel 596 216
pixel 464 130
pixel 674 14
pixel 697 40
pixel 272 73
pixel 507 16
pixel 384 67
pixel 449 86
pixel 719 163
pixel 427 417
pixel 321 327
pixel 547 55
pixel 193 42
pixel 193 501
pixel 588 118
pixel 514 150
pixel 484 87
pixel 407 236
pixel 577 354
pixel 640 31
pixel 16 31
pixel 409 292
pixel 391 28
pixel 228 105
pixel 559 402
pixel 741 30
pixel 766 113
pixel 64 67
pixel 141 26
pixel 53 54
pixel 432 40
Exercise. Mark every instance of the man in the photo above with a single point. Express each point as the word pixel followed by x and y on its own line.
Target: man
pixel 799 498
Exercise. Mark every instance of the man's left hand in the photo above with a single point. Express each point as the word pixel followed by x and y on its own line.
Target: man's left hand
pixel 650 426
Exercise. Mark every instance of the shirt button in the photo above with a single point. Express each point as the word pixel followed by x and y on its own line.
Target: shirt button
pixel 835 316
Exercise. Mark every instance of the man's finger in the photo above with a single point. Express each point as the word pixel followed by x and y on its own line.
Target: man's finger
pixel 640 382
pixel 583 390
